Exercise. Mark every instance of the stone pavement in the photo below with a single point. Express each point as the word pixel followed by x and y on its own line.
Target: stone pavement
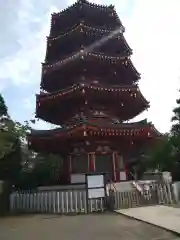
pixel 162 216
pixel 102 226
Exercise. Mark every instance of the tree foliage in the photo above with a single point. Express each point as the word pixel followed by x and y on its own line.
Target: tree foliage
pixel 3 107
pixel 43 170
pixel 161 154
pixel 175 130
pixel 165 156
pixel 10 149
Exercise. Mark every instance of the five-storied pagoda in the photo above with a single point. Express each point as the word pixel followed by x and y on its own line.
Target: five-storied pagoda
pixel 89 87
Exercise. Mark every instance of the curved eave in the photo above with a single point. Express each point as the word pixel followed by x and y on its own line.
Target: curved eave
pixel 89 31
pixel 83 28
pixel 133 92
pixel 79 3
pixel 83 55
pixel 109 11
pixel 87 129
pixel 102 35
pixel 77 93
pixel 155 132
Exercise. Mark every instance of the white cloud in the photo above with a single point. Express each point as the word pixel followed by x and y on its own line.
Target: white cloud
pixel 24 67
pixel 153 32
pixel 29 103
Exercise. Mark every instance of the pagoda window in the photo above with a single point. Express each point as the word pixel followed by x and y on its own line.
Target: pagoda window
pixel 120 162
pixel 103 163
pixel 95 82
pixel 79 163
pixel 99 149
pixel 106 149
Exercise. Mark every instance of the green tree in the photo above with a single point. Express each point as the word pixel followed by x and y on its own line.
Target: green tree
pixel 10 150
pixel 37 168
pixel 3 107
pixel 175 139
pixel 44 170
pixel 161 155
pixel 6 126
pixel 165 156
pixel 175 130
pixel 18 164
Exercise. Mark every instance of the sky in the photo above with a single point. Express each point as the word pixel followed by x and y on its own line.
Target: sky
pixel 152 31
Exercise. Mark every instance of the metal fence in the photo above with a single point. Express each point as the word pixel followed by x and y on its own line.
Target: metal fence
pixel 156 194
pixel 75 201
pixel 60 202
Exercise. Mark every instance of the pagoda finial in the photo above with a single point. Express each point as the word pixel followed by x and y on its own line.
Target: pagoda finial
pixel 81 1
pixel 111 6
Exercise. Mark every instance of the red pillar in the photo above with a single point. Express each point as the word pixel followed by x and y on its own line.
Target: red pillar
pixel 91 162
pixel 66 169
pixel 117 168
pixel 114 166
pixel 69 168
pixel 125 167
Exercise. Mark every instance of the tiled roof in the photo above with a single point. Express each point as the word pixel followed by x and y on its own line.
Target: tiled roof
pixel 96 123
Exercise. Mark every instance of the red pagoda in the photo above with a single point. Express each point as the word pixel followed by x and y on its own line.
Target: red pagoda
pixel 89 87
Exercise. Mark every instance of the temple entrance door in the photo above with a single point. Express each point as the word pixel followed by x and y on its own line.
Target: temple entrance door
pixel 104 163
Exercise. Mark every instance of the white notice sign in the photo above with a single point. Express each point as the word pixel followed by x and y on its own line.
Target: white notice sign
pixel 95 181
pixel 96 193
pixel 78 178
pixel 123 176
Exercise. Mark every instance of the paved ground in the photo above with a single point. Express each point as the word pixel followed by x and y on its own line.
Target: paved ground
pixel 163 216
pixel 105 226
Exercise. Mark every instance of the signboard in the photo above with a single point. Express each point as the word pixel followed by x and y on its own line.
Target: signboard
pixel 95 186
pixel 96 193
pixel 95 181
pixel 78 178
pixel 123 176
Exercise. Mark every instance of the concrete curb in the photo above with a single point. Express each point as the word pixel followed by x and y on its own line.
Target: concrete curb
pixel 153 224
